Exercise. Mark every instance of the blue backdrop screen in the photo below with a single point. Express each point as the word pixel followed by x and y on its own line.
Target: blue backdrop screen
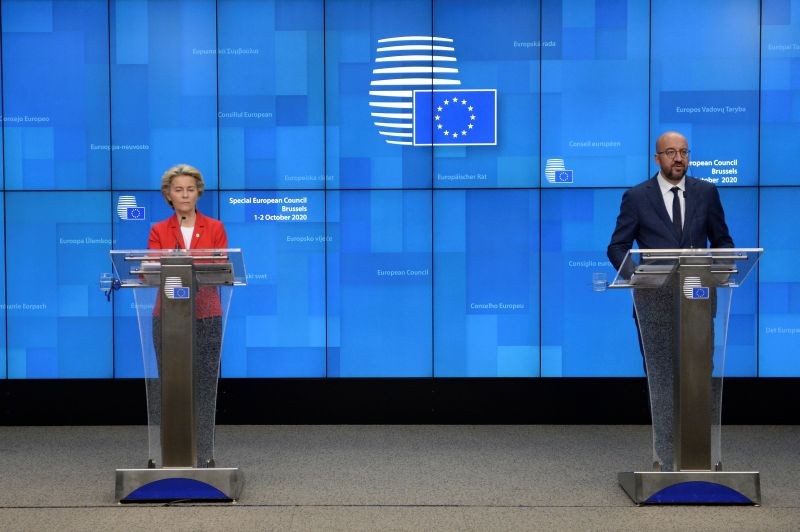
pixel 379 293
pixel 705 82
pixel 163 90
pixel 277 324
pixel 421 188
pixel 779 323
pixel 271 96
pixel 57 326
pixel 486 283
pixel 595 69
pixel 55 95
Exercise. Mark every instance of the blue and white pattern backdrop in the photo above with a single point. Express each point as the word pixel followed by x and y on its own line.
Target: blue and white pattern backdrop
pixel 422 188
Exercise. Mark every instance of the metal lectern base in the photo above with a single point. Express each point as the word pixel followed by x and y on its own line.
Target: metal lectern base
pixel 692 487
pixel 179 483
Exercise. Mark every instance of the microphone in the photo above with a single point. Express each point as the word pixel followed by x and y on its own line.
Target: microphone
pixel 177 242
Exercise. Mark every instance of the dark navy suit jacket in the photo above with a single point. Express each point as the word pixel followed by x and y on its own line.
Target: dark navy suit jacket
pixel 643 218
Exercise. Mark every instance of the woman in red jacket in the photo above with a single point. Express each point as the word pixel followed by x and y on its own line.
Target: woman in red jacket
pixel 181 187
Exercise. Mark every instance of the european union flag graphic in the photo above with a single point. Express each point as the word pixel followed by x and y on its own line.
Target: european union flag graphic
pixel 700 292
pixel 465 117
pixel 694 289
pixel 180 292
pixel 135 213
pixel 564 176
pixel 174 289
pixel 127 209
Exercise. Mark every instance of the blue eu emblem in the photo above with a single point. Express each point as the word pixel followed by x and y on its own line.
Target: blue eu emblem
pixel 700 292
pixel 465 117
pixel 180 292
pixel 135 213
pixel 564 176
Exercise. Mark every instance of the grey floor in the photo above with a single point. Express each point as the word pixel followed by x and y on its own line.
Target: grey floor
pixel 389 478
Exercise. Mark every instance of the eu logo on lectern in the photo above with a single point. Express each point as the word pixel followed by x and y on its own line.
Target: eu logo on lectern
pixel 700 292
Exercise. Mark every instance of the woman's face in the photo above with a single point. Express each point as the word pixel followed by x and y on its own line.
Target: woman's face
pixel 183 194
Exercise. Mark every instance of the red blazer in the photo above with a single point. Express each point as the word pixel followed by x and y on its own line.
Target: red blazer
pixel 208 234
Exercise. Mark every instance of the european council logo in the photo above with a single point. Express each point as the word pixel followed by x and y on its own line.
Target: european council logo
pixel 415 100
pixel 127 209
pixel 174 289
pixel 693 289
pixel 556 172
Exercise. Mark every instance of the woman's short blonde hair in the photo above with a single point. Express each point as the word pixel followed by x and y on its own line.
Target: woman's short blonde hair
pixel 175 171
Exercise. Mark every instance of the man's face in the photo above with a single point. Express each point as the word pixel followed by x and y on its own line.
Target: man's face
pixel 673 165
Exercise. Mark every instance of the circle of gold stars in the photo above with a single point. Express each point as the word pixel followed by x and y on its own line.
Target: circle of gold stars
pixel 454 101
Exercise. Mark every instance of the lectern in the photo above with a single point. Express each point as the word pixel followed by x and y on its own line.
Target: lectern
pixel 182 299
pixel 682 301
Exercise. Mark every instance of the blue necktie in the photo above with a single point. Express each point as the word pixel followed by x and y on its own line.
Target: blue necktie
pixel 676 212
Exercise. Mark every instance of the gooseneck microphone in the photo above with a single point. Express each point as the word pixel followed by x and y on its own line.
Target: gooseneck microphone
pixel 178 242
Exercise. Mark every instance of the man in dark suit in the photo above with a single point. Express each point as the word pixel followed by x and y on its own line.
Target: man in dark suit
pixel 668 211
pixel 646 213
